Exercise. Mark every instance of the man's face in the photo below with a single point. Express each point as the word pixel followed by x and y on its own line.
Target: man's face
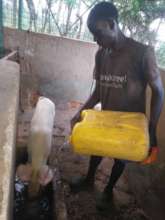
pixel 105 33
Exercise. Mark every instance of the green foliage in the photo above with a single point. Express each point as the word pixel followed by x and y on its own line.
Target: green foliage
pixel 57 17
pixel 71 3
pixel 137 15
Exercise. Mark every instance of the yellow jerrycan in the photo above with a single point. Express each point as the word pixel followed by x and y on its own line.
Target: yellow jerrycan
pixel 121 135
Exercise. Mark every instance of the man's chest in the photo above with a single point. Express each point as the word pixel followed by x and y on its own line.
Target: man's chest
pixel 121 72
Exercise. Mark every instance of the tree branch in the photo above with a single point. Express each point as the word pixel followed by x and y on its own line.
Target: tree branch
pixel 58 27
pixel 83 14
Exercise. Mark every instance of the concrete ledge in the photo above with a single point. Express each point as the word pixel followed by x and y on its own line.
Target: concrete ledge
pixel 13 56
pixel 9 96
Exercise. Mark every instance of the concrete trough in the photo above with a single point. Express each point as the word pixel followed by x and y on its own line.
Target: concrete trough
pixel 9 99
pixel 55 189
pixel 10 153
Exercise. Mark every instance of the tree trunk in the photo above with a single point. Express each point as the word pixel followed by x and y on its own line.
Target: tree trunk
pixel 80 28
pixel 49 15
pixel 14 13
pixel 32 12
pixel 78 8
pixel 70 7
pixel 59 11
pixel 80 18
pixel 45 20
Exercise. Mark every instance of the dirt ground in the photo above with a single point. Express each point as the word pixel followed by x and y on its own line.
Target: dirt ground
pixel 81 206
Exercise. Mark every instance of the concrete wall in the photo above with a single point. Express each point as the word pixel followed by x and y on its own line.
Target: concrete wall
pixel 9 96
pixel 61 68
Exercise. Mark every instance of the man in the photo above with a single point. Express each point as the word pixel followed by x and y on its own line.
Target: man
pixel 123 69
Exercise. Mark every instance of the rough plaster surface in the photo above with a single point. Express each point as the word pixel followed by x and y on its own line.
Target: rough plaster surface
pixel 61 68
pixel 9 93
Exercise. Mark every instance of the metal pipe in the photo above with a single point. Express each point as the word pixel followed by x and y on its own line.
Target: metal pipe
pixel 20 13
pixel 1 29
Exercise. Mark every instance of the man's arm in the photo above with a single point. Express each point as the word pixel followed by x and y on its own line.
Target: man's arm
pixel 153 78
pixel 90 103
pixel 155 108
pixel 93 99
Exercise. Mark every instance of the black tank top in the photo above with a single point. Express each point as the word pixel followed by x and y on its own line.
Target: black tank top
pixel 122 76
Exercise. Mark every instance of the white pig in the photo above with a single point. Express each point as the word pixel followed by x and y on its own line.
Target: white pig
pixel 40 140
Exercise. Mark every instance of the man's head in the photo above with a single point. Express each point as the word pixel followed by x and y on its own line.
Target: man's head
pixel 103 23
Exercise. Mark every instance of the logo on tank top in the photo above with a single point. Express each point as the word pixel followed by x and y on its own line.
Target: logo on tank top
pixel 113 81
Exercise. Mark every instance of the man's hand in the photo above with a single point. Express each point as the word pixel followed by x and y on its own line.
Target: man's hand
pixel 75 119
pixel 89 104
pixel 152 157
pixel 153 151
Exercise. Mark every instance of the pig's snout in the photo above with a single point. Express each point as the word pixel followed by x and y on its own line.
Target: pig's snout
pixel 44 176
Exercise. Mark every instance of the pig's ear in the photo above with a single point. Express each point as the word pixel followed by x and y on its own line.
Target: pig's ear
pixel 45 175
pixel 33 98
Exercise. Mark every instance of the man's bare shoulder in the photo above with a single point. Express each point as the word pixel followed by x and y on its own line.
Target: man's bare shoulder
pixel 99 52
pixel 137 45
